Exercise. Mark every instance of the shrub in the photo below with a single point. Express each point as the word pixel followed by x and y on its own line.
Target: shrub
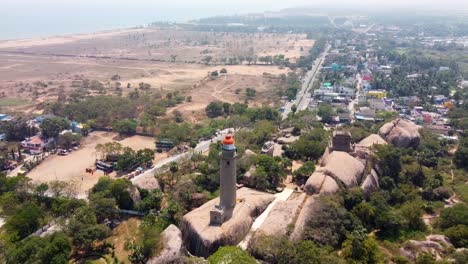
pixel 227 255
pixel 458 235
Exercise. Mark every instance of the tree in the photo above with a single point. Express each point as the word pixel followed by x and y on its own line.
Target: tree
pixel 250 92
pixel 231 255
pixel 173 167
pixel 326 112
pixel 223 71
pixel 24 221
pixel 330 225
pixel 304 172
pixel 458 235
pixel 359 248
pixel 54 249
pixel 178 116
pixel 461 156
pixel 145 156
pixel 306 148
pixel 453 216
pixel 269 172
pixel 125 127
pixel 293 108
pixel 84 229
pixel 144 86
pixel 51 127
pixel 104 208
pixel 214 109
pixel 388 158
pixel 150 200
pixel 214 74
pixel 68 140
pixel 117 189
pixel 17 129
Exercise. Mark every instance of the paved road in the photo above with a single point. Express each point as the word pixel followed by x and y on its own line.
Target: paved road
pixel 201 147
pixel 304 96
pixel 353 103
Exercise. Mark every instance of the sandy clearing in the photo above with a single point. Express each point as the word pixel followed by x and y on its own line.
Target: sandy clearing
pixel 71 168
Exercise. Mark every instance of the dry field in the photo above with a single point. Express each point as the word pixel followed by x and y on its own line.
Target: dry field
pixel 160 44
pixel 27 65
pixel 71 168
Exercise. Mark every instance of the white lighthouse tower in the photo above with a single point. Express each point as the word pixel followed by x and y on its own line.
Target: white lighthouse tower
pixel 227 199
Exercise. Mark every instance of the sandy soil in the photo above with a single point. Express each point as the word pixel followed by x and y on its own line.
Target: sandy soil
pixel 72 168
pixel 62 61
pixel 162 44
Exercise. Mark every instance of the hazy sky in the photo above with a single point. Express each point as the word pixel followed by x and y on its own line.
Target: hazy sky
pixel 25 18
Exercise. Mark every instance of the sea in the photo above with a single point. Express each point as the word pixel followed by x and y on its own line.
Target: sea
pixel 29 23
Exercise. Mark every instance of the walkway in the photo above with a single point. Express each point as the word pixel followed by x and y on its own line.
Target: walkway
pixel 282 196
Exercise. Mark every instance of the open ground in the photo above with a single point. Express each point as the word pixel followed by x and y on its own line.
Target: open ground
pixel 35 71
pixel 71 168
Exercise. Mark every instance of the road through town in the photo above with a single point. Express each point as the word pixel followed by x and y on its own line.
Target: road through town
pixel 304 96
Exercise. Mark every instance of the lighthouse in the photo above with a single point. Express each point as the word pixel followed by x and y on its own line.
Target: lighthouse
pixel 227 199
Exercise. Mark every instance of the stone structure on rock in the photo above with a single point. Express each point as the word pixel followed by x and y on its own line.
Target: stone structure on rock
pixel 203 239
pixel 341 141
pixel 223 211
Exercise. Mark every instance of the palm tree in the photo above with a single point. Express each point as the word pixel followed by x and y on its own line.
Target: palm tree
pixel 173 167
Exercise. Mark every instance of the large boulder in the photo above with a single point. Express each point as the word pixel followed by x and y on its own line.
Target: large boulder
pixel 401 133
pixel 146 181
pixel 281 215
pixel 371 140
pixel 304 216
pixel 172 247
pixel 338 168
pixel 371 183
pixel 134 194
pixel 203 239
pixel 346 168
pixel 436 245
pixel 320 183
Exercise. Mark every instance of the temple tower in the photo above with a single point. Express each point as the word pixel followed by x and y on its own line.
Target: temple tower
pixel 227 199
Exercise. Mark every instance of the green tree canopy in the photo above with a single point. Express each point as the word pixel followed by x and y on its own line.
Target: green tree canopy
pixel 51 127
pixel 231 255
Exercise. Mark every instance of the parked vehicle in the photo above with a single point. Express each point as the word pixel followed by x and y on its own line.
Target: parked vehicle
pixel 63 152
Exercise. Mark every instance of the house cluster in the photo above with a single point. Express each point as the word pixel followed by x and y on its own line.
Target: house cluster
pixel 37 144
pixel 347 85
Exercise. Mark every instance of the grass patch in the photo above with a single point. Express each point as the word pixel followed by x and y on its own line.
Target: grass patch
pixel 126 231
pixel 12 102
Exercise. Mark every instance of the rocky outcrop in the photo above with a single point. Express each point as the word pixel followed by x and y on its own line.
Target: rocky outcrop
pixel 172 247
pixel 371 140
pixel 338 169
pixel 437 245
pixel 320 183
pixel 281 215
pixel 146 181
pixel 371 183
pixel 203 239
pixel 304 216
pixel 134 194
pixel 401 133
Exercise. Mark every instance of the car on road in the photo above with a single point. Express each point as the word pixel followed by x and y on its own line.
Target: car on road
pixel 63 152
